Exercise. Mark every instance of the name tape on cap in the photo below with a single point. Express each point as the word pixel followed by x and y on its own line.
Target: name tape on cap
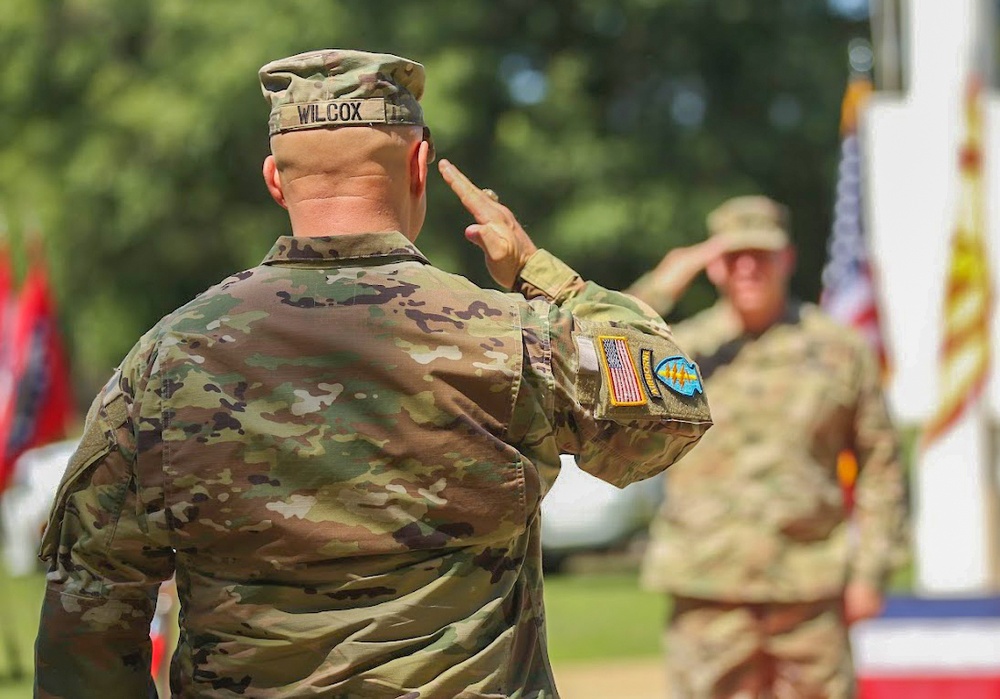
pixel 331 113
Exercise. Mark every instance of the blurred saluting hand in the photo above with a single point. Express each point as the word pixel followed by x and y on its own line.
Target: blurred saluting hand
pixel 678 268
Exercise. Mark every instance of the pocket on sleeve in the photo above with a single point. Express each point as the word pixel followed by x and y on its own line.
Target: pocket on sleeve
pixel 637 376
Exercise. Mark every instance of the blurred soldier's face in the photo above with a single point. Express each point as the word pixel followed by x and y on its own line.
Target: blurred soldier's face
pixel 755 281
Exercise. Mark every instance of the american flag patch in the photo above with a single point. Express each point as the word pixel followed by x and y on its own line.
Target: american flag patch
pixel 620 371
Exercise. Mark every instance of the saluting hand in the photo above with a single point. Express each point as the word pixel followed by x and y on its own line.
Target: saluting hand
pixel 678 268
pixel 496 231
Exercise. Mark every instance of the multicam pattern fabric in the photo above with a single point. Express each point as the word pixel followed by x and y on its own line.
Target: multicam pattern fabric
pixel 341 454
pixel 341 87
pixel 751 222
pixel 784 650
pixel 756 512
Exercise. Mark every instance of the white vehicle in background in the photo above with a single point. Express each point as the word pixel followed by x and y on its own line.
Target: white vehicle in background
pixel 583 513
pixel 25 504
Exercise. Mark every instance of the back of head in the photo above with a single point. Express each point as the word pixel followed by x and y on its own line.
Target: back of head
pixel 338 87
pixel 343 122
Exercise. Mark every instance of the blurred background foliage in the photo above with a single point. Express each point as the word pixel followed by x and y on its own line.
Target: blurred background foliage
pixel 133 133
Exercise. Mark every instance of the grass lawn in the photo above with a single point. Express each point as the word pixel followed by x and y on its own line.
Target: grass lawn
pixel 602 616
pixel 20 602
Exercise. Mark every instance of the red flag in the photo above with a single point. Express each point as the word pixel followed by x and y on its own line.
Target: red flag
pixel 7 302
pixel 5 288
pixel 41 406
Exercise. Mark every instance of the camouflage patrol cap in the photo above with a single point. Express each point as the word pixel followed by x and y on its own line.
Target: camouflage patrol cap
pixel 339 87
pixel 751 223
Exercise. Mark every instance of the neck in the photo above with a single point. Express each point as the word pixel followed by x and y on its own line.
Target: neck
pixel 365 203
pixel 345 216
pixel 758 320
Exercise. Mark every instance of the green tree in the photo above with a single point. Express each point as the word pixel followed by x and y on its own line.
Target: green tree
pixel 134 132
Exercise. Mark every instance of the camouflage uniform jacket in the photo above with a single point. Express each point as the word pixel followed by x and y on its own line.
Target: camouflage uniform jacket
pixel 341 454
pixel 756 513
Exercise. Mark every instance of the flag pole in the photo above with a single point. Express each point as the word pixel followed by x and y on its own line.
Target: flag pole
pixel 884 17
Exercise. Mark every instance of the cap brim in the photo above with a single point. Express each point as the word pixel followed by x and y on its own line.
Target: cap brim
pixel 755 239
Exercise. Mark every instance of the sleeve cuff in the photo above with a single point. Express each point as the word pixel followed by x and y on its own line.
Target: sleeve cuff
pixel 545 275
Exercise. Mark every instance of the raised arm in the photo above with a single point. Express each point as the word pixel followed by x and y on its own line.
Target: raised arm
pixel 603 377
pixel 665 284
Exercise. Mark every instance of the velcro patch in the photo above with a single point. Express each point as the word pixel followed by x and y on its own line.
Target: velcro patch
pixel 619 370
pixel 587 354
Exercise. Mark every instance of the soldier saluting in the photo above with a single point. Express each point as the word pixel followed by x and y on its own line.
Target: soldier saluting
pixel 753 540
pixel 341 452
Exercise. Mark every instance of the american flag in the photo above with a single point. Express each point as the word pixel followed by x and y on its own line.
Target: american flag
pixel 624 379
pixel 849 294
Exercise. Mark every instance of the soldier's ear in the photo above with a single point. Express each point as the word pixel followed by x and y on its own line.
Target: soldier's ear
pixel 418 168
pixel 272 178
pixel 788 259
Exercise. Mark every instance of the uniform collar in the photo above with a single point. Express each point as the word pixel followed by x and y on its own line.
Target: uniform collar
pixel 342 248
pixel 792 315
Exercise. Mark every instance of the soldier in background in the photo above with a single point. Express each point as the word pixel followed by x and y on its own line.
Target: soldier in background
pixel 341 452
pixel 753 540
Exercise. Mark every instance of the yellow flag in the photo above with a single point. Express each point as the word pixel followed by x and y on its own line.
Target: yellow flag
pixel 965 349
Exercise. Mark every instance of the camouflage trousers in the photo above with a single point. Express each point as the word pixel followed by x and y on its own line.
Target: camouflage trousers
pixel 797 650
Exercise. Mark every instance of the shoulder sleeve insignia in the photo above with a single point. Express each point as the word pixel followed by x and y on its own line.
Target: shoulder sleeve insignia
pixel 619 370
pixel 680 375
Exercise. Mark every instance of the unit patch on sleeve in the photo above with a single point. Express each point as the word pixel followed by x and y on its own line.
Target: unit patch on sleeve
pixel 648 374
pixel 619 370
pixel 680 375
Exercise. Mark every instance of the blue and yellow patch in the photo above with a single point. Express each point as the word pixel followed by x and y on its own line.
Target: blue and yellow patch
pixel 680 375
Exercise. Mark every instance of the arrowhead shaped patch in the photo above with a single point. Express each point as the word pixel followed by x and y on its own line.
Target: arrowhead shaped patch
pixel 680 375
